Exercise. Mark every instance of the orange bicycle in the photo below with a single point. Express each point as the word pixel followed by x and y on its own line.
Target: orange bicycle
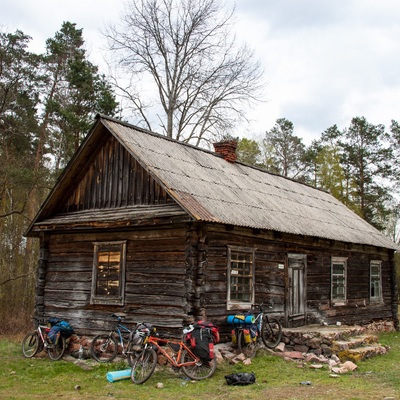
pixel 183 357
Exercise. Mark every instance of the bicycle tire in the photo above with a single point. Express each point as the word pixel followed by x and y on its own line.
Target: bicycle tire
pixel 271 332
pixel 131 354
pixel 55 351
pixel 104 348
pixel 248 349
pixel 144 366
pixel 201 370
pixel 30 344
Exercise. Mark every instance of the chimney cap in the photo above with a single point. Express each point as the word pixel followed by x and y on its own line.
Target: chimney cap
pixel 227 149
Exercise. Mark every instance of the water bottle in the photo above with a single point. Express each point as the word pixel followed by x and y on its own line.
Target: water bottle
pixel 80 353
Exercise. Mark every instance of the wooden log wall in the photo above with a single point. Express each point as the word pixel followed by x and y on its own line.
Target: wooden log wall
pixel 271 253
pixel 176 274
pixel 269 278
pixel 41 275
pixel 358 308
pixel 155 279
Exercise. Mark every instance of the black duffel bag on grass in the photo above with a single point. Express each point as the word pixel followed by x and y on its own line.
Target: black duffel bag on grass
pixel 240 378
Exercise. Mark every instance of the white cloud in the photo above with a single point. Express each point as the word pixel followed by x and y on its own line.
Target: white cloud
pixel 325 61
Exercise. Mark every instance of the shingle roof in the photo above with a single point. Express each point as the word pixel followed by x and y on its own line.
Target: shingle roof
pixel 212 189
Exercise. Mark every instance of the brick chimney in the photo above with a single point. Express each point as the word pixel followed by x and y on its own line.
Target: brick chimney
pixel 227 149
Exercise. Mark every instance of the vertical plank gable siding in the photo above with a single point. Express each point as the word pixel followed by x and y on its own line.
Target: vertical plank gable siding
pixel 155 279
pixel 114 179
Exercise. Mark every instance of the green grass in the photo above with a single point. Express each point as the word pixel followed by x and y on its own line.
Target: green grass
pixel 38 377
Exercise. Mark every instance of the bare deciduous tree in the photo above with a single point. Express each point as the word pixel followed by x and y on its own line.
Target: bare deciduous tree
pixel 183 53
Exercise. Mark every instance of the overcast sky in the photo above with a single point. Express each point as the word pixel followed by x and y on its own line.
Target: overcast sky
pixel 325 61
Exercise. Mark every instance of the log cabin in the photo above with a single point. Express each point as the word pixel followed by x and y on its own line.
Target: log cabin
pixel 170 233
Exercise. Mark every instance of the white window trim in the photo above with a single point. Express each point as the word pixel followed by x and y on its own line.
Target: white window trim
pixel 117 300
pixel 339 302
pixel 379 298
pixel 233 304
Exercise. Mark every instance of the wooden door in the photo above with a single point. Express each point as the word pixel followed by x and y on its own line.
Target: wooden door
pixel 296 300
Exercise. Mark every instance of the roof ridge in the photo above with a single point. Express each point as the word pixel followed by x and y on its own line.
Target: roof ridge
pixel 158 135
pixel 155 134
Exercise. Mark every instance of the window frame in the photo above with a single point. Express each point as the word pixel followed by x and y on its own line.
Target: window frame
pixel 338 300
pixel 118 299
pixel 240 304
pixel 374 263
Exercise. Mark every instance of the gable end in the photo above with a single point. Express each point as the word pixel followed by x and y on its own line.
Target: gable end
pixel 114 179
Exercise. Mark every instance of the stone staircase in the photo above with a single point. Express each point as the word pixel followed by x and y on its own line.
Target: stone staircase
pixel 349 343
pixel 358 348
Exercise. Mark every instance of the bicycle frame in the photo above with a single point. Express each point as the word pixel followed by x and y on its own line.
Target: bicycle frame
pixel 120 329
pixel 174 361
pixel 259 322
pixel 41 335
pixel 183 357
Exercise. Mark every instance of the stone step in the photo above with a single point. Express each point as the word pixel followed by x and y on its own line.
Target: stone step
pixel 349 343
pixel 353 342
pixel 362 353
pixel 327 333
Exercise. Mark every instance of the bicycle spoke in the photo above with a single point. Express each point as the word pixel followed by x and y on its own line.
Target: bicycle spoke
pixel 144 366
pixel 56 350
pixel 271 332
pixel 104 348
pixel 131 354
pixel 30 345
pixel 199 369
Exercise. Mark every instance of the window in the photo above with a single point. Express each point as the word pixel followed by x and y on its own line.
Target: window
pixel 240 277
pixel 375 281
pixel 338 279
pixel 108 273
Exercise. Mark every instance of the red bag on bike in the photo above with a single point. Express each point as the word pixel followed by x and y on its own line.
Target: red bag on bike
pixel 202 339
pixel 213 329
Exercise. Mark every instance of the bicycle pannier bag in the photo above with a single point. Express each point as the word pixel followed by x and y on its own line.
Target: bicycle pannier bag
pixel 59 325
pixel 247 336
pixel 234 337
pixel 202 339
pixel 253 332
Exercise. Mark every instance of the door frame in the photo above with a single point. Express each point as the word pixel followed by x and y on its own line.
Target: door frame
pixel 296 290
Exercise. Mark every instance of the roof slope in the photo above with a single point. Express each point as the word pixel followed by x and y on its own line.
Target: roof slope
pixel 212 189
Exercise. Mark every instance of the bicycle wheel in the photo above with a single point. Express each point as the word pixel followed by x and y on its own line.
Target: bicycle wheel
pixel 271 332
pixel 104 348
pixel 131 354
pixel 144 366
pixel 248 349
pixel 30 344
pixel 200 370
pixel 56 350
